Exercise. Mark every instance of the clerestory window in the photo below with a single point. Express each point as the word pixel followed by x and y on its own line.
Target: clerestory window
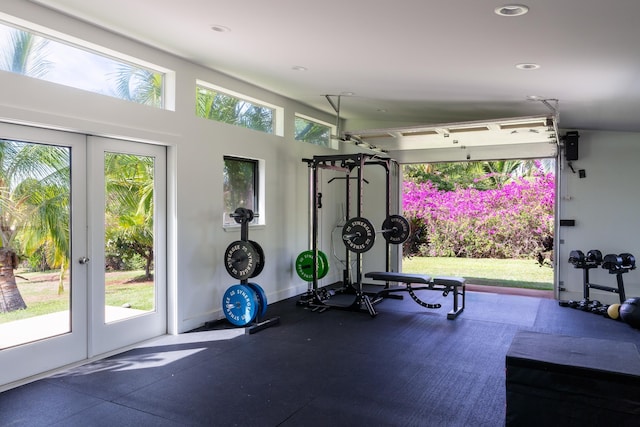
pixel 223 105
pixel 35 54
pixel 313 131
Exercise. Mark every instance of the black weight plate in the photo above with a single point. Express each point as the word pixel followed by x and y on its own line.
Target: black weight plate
pixel 262 299
pixel 240 305
pixel 240 259
pixel 396 229
pixel 358 235
pixel 260 263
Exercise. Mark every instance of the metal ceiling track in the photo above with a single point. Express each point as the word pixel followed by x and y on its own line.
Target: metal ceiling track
pixel 335 104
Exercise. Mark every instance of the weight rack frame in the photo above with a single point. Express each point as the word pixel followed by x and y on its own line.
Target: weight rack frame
pixel 345 163
pixel 257 324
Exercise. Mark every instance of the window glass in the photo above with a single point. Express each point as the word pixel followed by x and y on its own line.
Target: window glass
pixel 43 58
pixel 240 180
pixel 216 105
pixel 312 131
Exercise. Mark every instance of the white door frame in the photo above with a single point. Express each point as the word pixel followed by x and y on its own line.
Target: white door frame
pixel 30 361
pixel 105 337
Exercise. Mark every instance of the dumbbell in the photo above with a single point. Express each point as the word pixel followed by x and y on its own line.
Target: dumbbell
pixel 579 260
pixel 619 263
pixel 594 256
pixel 576 258
pixel 628 261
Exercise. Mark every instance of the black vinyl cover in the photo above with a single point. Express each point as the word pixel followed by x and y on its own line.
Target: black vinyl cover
pixel 571 381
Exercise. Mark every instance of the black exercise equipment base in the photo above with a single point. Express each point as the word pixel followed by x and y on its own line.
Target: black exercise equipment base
pixel 455 285
pixel 260 325
pixel 348 298
pixel 251 328
pixel 342 299
pixel 586 284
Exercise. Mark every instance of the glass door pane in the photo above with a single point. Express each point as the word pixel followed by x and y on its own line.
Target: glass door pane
pixel 44 322
pixel 127 243
pixel 129 236
pixel 35 281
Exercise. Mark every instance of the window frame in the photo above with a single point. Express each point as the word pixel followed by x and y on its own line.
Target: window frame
pixel 278 112
pixel 168 76
pixel 333 129
pixel 258 191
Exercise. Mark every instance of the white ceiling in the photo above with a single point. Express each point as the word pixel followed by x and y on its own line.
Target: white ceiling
pixel 422 61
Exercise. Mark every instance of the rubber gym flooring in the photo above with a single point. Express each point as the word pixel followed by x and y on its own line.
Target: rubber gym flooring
pixel 409 366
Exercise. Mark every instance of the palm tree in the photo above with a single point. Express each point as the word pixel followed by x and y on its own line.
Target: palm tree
pixel 314 133
pixel 502 171
pixel 48 203
pixel 228 109
pixel 26 54
pixel 34 207
pixel 139 85
pixel 447 176
pixel 129 206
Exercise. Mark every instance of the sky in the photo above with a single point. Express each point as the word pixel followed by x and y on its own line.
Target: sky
pixel 72 66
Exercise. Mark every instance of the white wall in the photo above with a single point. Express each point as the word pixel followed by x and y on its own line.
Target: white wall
pixel 606 206
pixel 197 240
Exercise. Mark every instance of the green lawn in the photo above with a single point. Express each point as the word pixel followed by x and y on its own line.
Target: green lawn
pixel 492 272
pixel 40 293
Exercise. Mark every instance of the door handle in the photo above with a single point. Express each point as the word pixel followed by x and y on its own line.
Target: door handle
pixel 83 260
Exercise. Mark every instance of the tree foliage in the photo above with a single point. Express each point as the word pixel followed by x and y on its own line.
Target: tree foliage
pixel 479 175
pixel 228 109
pixel 129 207
pixel 512 220
pixel 26 54
pixel 139 85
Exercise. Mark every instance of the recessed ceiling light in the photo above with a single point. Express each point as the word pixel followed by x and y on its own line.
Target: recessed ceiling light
pixel 299 68
pixel 347 93
pixel 511 10
pixel 220 28
pixel 534 98
pixel 527 66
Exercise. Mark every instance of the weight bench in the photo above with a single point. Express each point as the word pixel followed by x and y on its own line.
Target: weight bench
pixel 455 285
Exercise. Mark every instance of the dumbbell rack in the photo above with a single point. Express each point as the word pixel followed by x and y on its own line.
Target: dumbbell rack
pixel 244 217
pixel 615 264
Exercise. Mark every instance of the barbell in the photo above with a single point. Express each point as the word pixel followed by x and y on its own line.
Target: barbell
pixel 242 215
pixel 359 235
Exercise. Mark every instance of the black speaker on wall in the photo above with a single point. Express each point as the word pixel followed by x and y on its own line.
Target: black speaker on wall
pixel 571 145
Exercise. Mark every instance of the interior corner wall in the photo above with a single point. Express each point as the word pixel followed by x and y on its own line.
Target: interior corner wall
pixel 605 205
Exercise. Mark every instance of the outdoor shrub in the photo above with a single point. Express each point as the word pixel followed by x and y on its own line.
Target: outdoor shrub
pixel 513 221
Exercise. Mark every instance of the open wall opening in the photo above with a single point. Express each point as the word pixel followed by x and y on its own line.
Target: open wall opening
pixel 492 222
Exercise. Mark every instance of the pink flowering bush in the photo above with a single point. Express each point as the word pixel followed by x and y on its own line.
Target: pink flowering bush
pixel 513 221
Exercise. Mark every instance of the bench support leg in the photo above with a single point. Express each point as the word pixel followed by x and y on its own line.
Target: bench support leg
pixel 457 308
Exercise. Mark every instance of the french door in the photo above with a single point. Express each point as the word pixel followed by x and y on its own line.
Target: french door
pixel 83 219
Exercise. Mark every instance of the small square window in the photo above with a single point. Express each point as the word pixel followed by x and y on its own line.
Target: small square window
pixel 240 180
